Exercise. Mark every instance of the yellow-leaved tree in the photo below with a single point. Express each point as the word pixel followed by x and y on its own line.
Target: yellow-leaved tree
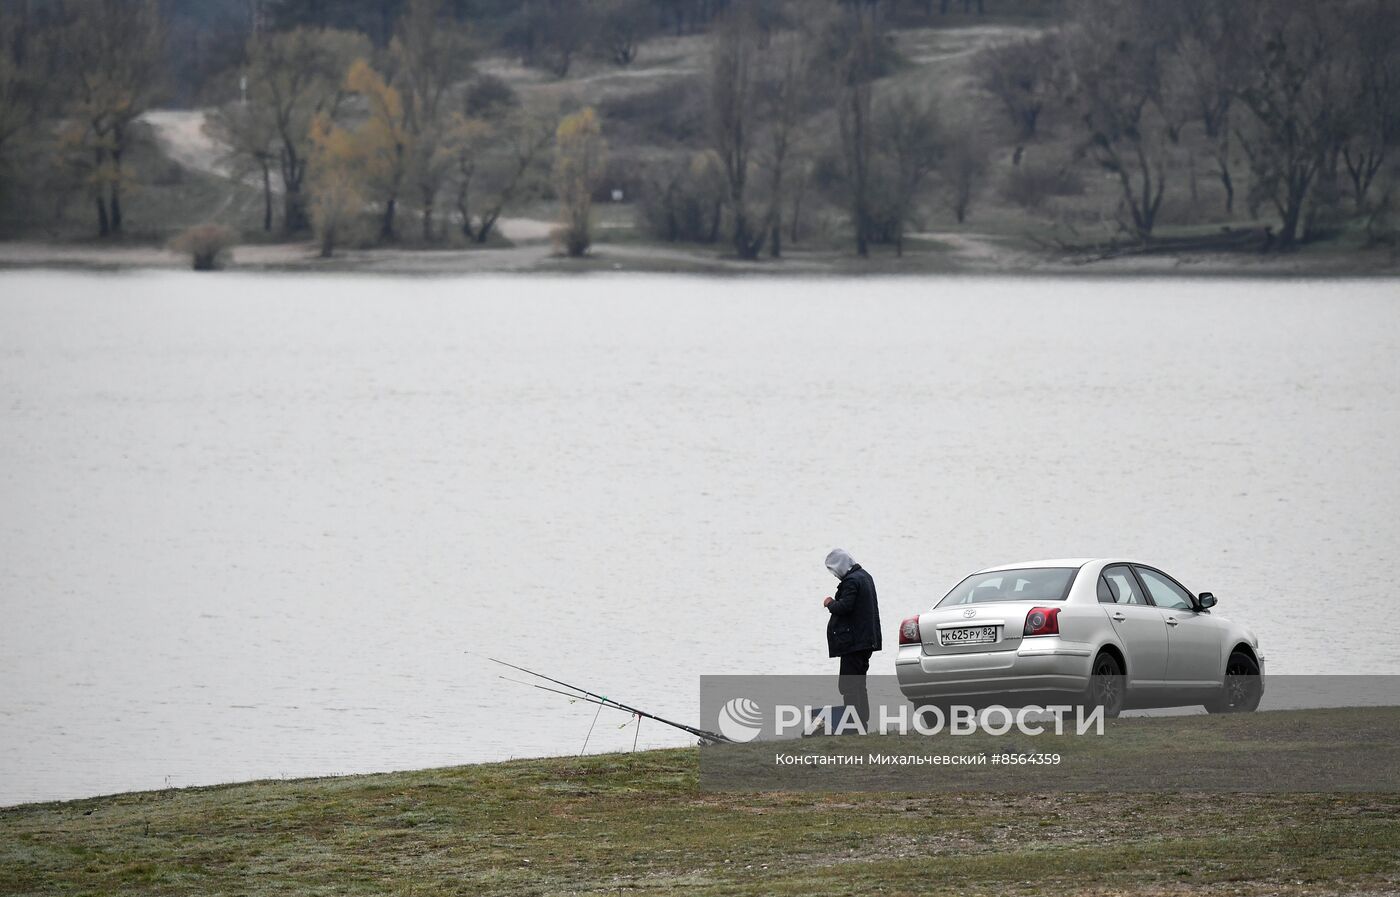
pixel 337 176
pixel 382 139
pixel 579 160
pixel 357 164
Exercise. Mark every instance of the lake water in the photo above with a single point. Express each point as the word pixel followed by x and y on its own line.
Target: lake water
pixel 249 524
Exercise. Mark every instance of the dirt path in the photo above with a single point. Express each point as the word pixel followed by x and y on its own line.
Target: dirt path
pixel 181 134
pixel 934 46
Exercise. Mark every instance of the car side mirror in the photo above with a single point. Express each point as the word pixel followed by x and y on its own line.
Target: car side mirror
pixel 1207 600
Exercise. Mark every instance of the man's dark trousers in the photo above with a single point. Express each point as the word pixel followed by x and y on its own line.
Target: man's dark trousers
pixel 854 666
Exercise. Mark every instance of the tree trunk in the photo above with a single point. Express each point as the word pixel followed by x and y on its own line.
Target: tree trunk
pixel 743 243
pixel 1292 214
pixel 294 218
pixel 1288 235
pixel 115 206
pixel 1191 183
pixel 1229 184
pixel 294 215
pixel 488 224
pixel 114 203
pixel 104 226
pixel 796 213
pixel 267 197
pixel 464 209
pixel 386 226
pixel 1295 199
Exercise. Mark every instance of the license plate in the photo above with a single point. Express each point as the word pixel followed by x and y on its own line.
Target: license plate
pixel 970 635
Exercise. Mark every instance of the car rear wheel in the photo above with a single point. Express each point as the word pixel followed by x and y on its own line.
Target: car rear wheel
pixel 1242 688
pixel 1107 686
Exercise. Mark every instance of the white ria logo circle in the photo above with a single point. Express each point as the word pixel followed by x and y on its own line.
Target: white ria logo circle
pixel 740 719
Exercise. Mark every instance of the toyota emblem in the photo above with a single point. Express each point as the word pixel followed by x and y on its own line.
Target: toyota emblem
pixel 970 612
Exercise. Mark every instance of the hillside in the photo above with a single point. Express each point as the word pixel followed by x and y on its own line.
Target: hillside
pixel 986 146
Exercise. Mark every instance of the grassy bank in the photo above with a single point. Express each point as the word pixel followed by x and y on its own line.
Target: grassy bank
pixel 639 823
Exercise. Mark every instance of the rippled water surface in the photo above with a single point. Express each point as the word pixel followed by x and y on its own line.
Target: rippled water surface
pixel 250 524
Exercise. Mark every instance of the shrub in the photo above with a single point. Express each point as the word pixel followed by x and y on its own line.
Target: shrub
pixel 490 97
pixel 208 245
pixel 683 200
pixel 1029 184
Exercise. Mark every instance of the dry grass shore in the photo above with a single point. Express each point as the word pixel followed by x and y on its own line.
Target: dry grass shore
pixel 639 824
pixel 929 254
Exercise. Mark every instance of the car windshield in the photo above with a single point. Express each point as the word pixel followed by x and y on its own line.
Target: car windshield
pixel 1031 584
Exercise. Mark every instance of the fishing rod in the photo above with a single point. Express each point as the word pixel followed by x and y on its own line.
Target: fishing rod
pixel 587 700
pixel 705 736
pixel 573 696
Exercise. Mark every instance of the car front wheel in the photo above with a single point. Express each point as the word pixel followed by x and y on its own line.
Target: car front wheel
pixel 1242 688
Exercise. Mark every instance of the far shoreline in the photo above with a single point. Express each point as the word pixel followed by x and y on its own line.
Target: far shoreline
pixel 680 260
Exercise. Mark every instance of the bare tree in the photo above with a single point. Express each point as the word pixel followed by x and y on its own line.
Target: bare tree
pixel 552 33
pixel 111 53
pixel 1373 88
pixel 1021 75
pixel 249 134
pixel 854 114
pixel 430 54
pixel 963 168
pixel 503 158
pixel 783 93
pixel 21 105
pixel 293 77
pixel 1209 66
pixel 19 88
pixel 620 28
pixel 1115 63
pixel 734 111
pixel 910 141
pixel 1293 93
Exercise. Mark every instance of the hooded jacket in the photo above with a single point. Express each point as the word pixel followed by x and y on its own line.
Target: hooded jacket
pixel 855 611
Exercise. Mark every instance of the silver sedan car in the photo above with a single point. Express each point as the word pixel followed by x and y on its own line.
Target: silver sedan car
pixel 1098 632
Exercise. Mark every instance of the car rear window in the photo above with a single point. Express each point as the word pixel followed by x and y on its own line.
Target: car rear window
pixel 1031 584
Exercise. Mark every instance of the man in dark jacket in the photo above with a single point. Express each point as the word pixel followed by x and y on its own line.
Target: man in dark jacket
pixel 853 632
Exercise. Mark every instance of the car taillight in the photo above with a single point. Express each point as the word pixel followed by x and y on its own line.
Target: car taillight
pixel 909 631
pixel 1042 621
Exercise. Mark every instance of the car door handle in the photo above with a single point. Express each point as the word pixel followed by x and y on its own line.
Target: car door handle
pixel 1119 617
pixel 1171 621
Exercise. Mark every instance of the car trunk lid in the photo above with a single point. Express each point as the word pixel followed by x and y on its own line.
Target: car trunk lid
pixel 964 628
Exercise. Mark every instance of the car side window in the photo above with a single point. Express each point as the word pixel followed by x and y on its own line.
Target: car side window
pixel 1106 593
pixel 1123 586
pixel 1164 592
